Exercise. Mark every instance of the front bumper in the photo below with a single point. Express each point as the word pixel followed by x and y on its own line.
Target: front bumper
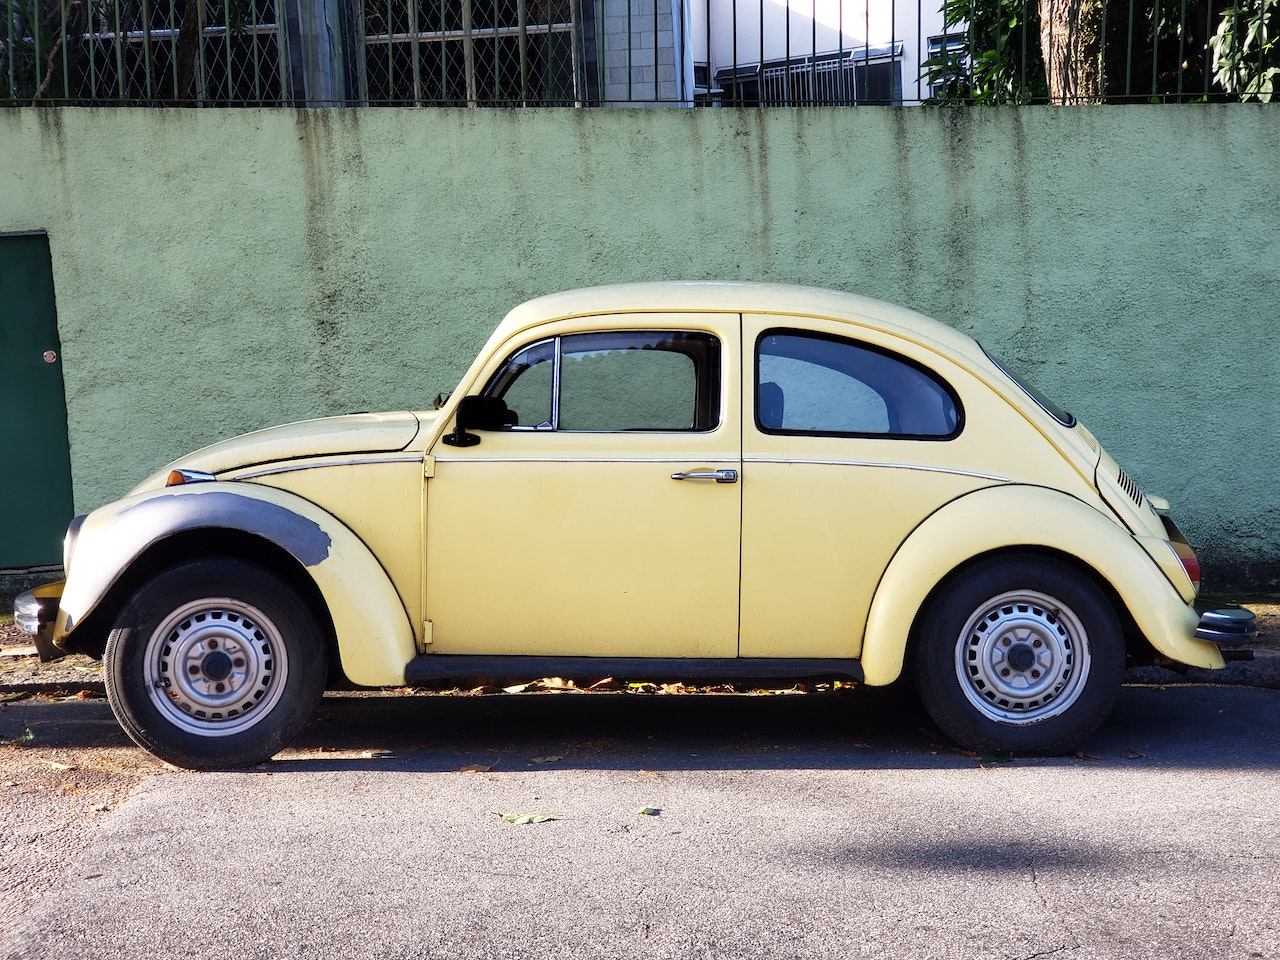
pixel 1227 627
pixel 34 612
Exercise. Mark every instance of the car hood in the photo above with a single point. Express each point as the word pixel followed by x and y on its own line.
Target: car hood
pixel 355 433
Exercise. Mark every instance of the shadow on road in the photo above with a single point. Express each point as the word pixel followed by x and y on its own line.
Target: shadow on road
pixel 1178 727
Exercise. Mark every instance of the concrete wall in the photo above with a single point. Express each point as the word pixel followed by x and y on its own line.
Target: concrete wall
pixel 222 270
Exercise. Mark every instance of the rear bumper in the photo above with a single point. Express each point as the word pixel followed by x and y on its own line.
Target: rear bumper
pixel 1227 627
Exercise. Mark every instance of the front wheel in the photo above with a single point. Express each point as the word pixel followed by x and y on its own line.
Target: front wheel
pixel 215 663
pixel 1021 654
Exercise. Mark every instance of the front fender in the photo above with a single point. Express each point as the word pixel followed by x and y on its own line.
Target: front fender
pixel 375 638
pixel 1004 517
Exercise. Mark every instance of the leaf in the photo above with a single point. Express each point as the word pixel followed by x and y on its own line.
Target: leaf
pixel 477 767
pixel 554 683
pixel 60 766
pixel 1086 757
pixel 995 759
pixel 523 818
pixel 608 683
pixel 27 737
pixel 550 759
pixel 1135 755
pixel 11 697
pixel 649 811
pixel 651 773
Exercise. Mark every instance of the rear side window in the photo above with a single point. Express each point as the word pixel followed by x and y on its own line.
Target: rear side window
pixel 809 383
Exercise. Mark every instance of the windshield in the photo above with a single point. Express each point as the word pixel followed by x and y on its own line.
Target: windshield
pixel 1049 407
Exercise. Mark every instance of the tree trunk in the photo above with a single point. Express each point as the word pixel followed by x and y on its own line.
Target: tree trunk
pixel 1071 40
pixel 188 45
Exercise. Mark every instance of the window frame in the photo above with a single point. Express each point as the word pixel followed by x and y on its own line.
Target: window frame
pixel 708 380
pixel 894 355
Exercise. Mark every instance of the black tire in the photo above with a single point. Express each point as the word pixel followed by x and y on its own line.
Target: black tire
pixel 215 663
pixel 1019 654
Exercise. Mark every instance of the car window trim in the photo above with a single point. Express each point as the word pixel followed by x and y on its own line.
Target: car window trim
pixel 933 375
pixel 707 381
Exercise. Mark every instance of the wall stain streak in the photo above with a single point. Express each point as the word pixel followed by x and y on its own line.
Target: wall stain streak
pixel 1111 248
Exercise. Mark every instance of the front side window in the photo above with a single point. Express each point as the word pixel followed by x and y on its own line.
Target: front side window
pixel 608 382
pixel 809 383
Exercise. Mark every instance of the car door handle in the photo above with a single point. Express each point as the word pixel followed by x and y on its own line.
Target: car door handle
pixel 719 476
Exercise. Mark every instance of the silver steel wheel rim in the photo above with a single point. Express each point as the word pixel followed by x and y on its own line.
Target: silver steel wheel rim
pixel 216 667
pixel 1022 658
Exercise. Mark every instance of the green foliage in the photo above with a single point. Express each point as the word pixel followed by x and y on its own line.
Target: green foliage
pixel 1246 49
pixel 998 60
pixel 1153 51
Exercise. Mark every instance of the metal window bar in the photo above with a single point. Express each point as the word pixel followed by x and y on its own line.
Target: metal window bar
pixel 532 52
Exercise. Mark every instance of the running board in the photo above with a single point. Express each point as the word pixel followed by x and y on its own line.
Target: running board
pixel 432 668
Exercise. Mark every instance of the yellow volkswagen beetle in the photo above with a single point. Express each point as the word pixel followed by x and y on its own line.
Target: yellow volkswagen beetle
pixel 682 481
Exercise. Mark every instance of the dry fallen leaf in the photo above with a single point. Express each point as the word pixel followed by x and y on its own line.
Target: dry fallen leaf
pixel 27 737
pixel 523 818
pixel 550 759
pixel 477 768
pixel 1086 757
pixel 651 773
pixel 60 766
pixel 608 683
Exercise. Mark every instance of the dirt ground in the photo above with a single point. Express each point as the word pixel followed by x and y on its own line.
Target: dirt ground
pixel 65 763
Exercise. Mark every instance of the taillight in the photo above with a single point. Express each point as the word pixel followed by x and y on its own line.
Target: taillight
pixel 1190 562
pixel 1192 565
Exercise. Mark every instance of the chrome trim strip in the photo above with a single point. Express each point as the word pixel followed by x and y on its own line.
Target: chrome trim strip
pixel 293 468
pixel 885 466
pixel 694 458
pixel 555 388
pixel 674 458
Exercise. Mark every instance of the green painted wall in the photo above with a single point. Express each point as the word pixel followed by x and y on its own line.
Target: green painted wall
pixel 220 270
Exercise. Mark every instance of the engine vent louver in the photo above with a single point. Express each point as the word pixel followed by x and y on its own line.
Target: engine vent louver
pixel 1128 486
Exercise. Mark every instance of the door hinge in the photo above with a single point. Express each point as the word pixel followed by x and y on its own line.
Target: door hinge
pixel 428 467
pixel 428 633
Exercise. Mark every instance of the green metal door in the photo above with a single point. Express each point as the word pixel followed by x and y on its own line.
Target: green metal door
pixel 35 481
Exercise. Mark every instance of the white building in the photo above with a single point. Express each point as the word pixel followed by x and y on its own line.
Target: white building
pixel 765 52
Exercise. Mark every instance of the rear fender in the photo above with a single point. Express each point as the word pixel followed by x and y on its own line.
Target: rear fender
pixel 1023 517
pixel 375 638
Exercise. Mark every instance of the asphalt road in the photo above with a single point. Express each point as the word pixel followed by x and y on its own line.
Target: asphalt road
pixel 830 826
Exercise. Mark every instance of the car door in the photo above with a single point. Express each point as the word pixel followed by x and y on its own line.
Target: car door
pixel 848 443
pixel 605 520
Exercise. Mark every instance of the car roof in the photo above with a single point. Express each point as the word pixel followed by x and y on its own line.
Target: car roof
pixel 718 296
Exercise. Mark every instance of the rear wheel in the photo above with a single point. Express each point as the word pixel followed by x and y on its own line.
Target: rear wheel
pixel 215 663
pixel 1019 654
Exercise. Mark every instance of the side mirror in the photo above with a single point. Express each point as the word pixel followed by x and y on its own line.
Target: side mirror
pixel 478 413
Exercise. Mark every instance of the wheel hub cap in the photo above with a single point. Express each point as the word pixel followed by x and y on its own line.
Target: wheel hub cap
pixel 215 667
pixel 1022 658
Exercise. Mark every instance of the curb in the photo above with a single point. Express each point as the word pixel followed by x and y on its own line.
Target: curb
pixel 1262 671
